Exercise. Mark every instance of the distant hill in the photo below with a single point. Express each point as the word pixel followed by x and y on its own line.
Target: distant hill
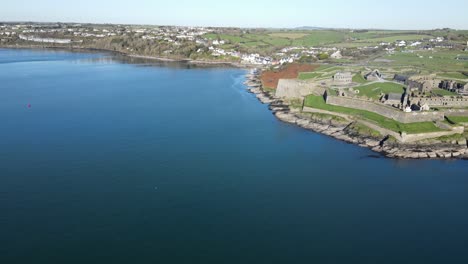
pixel 309 28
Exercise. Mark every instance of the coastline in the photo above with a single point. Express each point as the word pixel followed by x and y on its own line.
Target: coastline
pixel 283 111
pixel 136 56
pixel 345 131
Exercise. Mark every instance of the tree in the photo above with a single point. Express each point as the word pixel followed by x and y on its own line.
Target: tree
pixel 323 56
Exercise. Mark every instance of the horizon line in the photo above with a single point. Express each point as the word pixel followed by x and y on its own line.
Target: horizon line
pixel 240 27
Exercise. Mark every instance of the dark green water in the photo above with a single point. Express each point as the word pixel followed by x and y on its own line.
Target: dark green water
pixel 135 163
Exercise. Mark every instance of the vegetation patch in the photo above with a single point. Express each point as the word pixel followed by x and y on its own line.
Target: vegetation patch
pixel 319 37
pixel 291 71
pixel 358 78
pixel 457 119
pixel 365 130
pixel 325 117
pixel 288 35
pixel 396 38
pixel 453 75
pixel 309 75
pixel 443 92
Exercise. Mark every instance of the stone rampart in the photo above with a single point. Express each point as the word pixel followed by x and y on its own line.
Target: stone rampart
pixel 445 102
pixel 410 138
pixel 386 111
pixel 456 112
pixel 403 137
pixel 293 88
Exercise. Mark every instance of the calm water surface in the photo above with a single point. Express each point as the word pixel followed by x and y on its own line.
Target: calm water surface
pixel 103 161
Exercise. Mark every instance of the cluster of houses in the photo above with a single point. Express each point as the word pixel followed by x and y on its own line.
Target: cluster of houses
pixel 46 40
pixel 423 44
pixel 176 36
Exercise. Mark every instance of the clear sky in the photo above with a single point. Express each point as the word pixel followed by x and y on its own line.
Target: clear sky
pixel 393 14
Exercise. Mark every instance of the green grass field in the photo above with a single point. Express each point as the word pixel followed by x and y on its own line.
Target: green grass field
pixel 365 130
pixel 288 35
pixel 282 39
pixel 433 61
pixel 458 119
pixel 443 92
pixel 309 75
pixel 358 78
pixel 375 90
pixel 319 37
pixel 392 39
pixel 453 75
pixel 413 128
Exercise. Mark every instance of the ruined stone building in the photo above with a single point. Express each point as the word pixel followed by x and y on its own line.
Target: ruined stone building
pixel 342 78
pixel 422 83
pixel 393 99
pixel 374 75
pixel 454 86
pixel 400 78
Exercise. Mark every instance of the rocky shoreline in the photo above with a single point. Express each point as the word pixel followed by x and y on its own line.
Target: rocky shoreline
pixel 345 132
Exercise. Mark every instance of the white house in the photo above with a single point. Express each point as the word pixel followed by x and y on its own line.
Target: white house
pixel 336 55
pixel 401 43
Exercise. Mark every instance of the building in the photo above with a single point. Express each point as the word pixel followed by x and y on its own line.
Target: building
pixel 342 78
pixel 373 76
pixel 401 43
pixel 336 55
pixel 464 91
pixel 400 78
pixel 393 99
pixel 422 83
pixel 454 86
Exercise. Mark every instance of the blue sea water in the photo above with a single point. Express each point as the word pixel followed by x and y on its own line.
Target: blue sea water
pixel 106 161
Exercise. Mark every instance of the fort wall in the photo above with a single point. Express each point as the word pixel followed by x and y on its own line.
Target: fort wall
pixel 386 111
pixel 456 112
pixel 293 88
pixel 404 137
pixel 444 101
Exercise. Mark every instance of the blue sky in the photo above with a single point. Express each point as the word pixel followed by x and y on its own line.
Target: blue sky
pixel 394 14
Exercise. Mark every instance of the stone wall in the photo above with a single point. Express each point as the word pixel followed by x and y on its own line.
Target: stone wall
pixel 444 101
pixel 386 111
pixel 404 138
pixel 294 88
pixel 456 112
pixel 410 138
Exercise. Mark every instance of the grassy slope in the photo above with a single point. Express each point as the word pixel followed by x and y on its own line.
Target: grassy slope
pixel 413 128
pixel 320 37
pixel 288 35
pixel 453 75
pixel 443 92
pixel 392 39
pixel 441 59
pixel 458 119
pixel 358 78
pixel 309 75
pixel 374 90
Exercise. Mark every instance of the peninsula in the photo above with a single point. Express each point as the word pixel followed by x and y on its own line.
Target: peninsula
pixel 400 93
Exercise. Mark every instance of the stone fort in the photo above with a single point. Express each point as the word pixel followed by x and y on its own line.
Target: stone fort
pixel 384 110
